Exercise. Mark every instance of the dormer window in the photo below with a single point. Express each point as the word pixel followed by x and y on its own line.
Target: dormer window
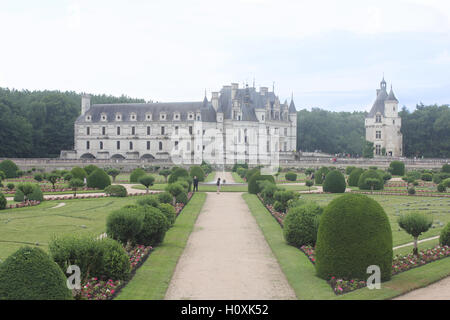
pixel 378 118
pixel 176 116
pixel 162 116
pixel 88 118
pixel 133 116
pixel 103 117
pixel 118 117
pixel 191 116
pixel 148 116
pixel 199 117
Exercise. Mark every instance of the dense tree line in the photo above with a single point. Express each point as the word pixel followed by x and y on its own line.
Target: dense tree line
pixel 330 132
pixel 426 131
pixel 40 124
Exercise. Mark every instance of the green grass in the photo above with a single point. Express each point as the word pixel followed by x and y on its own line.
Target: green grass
pixel 210 177
pixel 37 224
pixel 153 277
pixel 437 208
pixel 300 272
pixel 237 178
pixel 301 177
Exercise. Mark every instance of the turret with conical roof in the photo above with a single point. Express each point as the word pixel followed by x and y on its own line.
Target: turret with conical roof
pixel 292 108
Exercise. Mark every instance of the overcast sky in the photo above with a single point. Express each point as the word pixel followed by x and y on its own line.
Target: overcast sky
pixel 329 54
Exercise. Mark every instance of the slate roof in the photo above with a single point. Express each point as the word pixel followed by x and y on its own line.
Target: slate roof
pixel 391 96
pixel 382 96
pixel 208 114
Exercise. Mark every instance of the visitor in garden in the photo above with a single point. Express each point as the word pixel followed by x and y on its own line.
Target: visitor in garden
pixel 195 183
pixel 218 185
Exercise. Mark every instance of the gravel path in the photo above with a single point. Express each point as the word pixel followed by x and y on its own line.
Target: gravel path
pixel 436 291
pixel 227 257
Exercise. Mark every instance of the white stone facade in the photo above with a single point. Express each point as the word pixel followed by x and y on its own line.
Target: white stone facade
pixel 383 124
pixel 236 125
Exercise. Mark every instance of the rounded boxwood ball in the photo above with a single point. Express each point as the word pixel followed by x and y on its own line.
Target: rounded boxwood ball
pixel 334 182
pixel 30 274
pixel 370 174
pixel 301 224
pixel 154 226
pixel 98 179
pixel 353 178
pixel 354 233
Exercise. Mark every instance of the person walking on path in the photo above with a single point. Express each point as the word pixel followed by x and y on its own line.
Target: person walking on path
pixel 218 185
pixel 195 183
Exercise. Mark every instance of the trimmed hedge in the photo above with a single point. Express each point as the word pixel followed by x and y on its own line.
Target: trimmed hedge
pixel 115 263
pixel 290 176
pixel 90 168
pixel 152 201
pixel 154 226
pixel 98 179
pixel 251 172
pixel 78 173
pixel 177 173
pixel 370 174
pixel 446 168
pixel 30 274
pixel 397 168
pixel 165 197
pixel 349 170
pixel 444 239
pixel 426 176
pixel 182 198
pixel 197 171
pixel 318 175
pixel 354 177
pixel 2 201
pixel 169 212
pixel 36 195
pixel 116 190
pixel 136 174
pixel 354 233
pixel 301 224
pixel 253 186
pixel 9 168
pixel 334 182
pixel 124 225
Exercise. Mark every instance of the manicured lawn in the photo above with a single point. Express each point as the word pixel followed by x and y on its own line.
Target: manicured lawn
pixel 153 277
pixel 301 177
pixel 438 208
pixel 237 178
pixel 31 225
pixel 210 177
pixel 300 272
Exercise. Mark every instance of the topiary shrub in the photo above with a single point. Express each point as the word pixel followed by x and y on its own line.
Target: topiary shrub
pixel 370 174
pixel 154 226
pixel 253 186
pixel 411 191
pixel 115 263
pixel 136 174
pixel 2 201
pixel 282 197
pixel 38 177
pixel 169 212
pixel 241 172
pixel 124 225
pixel 268 190
pixel 197 171
pixel 186 181
pixel 290 176
pixel 10 186
pixel 30 274
pixel 251 172
pixel 301 224
pixel 116 190
pixel 415 223
pixel 441 187
pixel 147 181
pixel 426 176
pixel 98 179
pixel 78 173
pixel 349 170
pixel 174 189
pixel 152 201
pixel 397 168
pixel 177 173
pixel 36 194
pixel 444 239
pixel 319 173
pixel 2 175
pixel 182 198
pixel 165 197
pixel 334 182
pixel 446 182
pixel 413 175
pixel 9 168
pixel 446 168
pixel 90 168
pixel 354 233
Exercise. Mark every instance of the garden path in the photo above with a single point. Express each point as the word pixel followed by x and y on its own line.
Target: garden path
pixel 437 291
pixel 227 257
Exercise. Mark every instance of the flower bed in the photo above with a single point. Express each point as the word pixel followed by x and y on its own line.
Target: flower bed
pixel 403 194
pixel 13 191
pixel 399 263
pixel 29 203
pixel 102 289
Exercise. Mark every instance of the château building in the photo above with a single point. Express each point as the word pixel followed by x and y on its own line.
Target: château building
pixel 383 124
pixel 235 125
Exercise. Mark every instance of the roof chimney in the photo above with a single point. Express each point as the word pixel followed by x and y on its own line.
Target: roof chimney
pixel 215 100
pixel 263 90
pixel 85 103
pixel 234 88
